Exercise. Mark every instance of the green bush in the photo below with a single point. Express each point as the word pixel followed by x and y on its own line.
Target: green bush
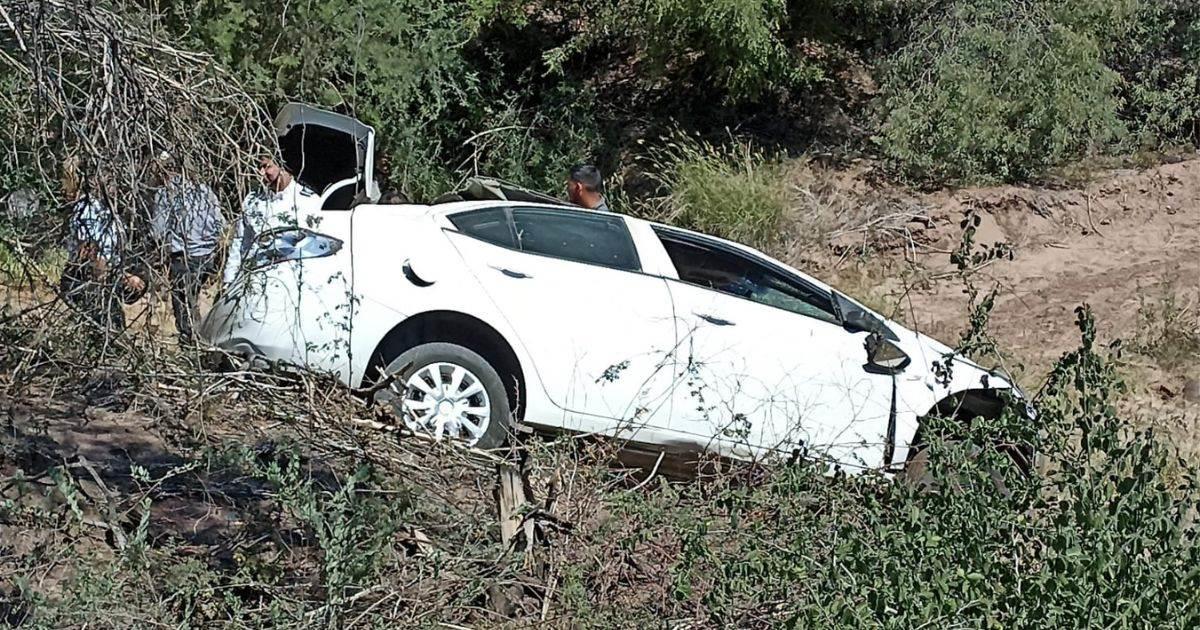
pixel 1158 57
pixel 1100 538
pixel 424 74
pixel 736 46
pixel 996 90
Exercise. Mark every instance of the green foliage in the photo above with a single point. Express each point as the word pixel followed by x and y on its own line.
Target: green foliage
pixel 1158 57
pixel 736 45
pixel 737 193
pixel 1102 539
pixel 353 523
pixel 532 147
pixel 997 90
pixel 1001 91
pixel 411 69
pixel 396 64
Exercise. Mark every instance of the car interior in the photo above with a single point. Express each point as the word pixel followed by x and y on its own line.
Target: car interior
pixel 319 157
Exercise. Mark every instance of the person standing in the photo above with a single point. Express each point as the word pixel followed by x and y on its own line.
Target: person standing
pixel 282 202
pixel 186 222
pixel 94 279
pixel 585 187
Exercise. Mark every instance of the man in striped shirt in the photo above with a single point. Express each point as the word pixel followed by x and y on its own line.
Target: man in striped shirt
pixel 186 221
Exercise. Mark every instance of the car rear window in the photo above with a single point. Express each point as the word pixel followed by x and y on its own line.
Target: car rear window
pixel 580 236
pixel 489 224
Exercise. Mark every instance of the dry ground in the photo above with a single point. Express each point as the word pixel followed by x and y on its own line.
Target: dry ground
pixel 1126 243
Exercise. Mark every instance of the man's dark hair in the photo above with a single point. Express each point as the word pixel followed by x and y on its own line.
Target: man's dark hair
pixel 589 176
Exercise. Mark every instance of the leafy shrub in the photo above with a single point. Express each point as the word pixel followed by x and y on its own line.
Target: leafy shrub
pixel 409 68
pixel 736 46
pixel 1101 537
pixel 532 147
pixel 996 90
pixel 1158 57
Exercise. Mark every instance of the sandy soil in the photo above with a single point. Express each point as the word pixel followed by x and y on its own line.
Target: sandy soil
pixel 1125 238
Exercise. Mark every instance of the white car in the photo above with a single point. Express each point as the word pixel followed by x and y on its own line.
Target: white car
pixel 486 311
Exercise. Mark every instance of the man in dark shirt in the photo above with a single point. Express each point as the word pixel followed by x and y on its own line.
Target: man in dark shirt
pixel 585 187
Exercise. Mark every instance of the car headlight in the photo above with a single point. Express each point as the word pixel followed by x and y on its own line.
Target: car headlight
pixel 286 244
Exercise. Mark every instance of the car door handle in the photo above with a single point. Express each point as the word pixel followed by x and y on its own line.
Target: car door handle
pixel 715 321
pixel 512 274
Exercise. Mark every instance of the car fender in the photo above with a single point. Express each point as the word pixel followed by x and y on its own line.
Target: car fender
pixel 922 387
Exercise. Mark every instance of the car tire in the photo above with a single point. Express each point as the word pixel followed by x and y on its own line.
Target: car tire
pixel 917 471
pixel 421 383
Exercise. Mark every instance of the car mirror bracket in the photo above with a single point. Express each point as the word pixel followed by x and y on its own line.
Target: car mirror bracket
pixel 884 356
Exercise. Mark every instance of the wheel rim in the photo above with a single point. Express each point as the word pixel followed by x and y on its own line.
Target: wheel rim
pixel 446 400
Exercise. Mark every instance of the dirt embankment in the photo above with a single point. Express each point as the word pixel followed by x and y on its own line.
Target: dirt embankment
pixel 1125 237
pixel 1127 243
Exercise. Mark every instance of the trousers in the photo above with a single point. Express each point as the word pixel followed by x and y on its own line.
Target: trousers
pixel 187 275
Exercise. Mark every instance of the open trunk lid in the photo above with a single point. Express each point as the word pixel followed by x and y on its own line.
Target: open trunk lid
pixel 322 148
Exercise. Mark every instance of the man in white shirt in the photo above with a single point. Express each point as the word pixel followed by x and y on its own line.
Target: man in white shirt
pixel 283 202
pixel 96 277
pixel 186 222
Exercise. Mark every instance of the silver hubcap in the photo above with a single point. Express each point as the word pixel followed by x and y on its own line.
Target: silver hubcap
pixel 446 400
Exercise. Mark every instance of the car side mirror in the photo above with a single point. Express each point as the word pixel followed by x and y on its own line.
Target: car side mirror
pixel 884 356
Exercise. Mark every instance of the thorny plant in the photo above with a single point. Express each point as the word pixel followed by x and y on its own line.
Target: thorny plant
pixel 88 85
pixel 967 260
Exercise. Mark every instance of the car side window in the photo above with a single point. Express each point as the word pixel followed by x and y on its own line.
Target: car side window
pixel 734 273
pixel 580 236
pixel 489 224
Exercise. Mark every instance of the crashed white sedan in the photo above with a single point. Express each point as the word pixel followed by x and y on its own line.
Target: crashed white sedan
pixel 493 306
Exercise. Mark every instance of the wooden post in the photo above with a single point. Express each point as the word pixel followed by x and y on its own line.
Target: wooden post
pixel 511 503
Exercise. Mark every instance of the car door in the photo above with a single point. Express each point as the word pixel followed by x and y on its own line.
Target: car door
pixel 764 363
pixel 599 332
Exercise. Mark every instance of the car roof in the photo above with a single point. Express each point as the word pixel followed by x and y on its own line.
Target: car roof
pixel 454 207
pixel 437 210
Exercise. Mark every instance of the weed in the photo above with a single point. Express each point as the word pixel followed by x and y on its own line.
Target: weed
pixel 736 193
pixel 1168 328
pixel 783 206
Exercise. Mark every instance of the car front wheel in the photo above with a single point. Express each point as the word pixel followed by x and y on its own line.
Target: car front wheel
pixel 448 391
